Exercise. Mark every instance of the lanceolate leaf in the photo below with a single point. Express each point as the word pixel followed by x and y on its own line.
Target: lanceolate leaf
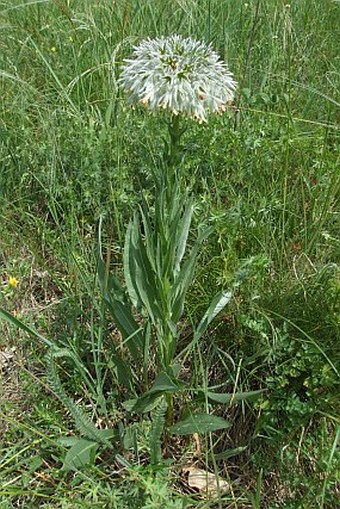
pixel 185 276
pixel 217 304
pixel 199 423
pixel 17 323
pixel 82 454
pixel 127 325
pixel 226 398
pixel 141 276
pixel 129 266
pixel 229 453
pixel 163 384
pixel 185 227
pixel 144 404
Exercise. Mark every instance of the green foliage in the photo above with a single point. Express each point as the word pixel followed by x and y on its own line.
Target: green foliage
pixel 84 425
pixel 301 385
pixel 265 178
pixel 157 427
pixel 82 454
pixel 199 423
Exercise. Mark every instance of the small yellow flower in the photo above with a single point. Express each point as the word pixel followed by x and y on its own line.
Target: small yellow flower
pixel 53 49
pixel 13 282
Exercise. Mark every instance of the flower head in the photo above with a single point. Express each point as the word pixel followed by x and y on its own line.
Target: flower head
pixel 13 282
pixel 180 75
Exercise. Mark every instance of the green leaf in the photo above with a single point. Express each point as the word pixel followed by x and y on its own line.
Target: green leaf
pixel 68 441
pixel 20 325
pixel 229 453
pixel 199 423
pixel 81 454
pixel 164 383
pixel 109 433
pixel 184 227
pixel 140 277
pixel 131 331
pixel 185 277
pixel 144 404
pixel 217 304
pixel 124 374
pixel 226 398
pixel 128 265
pixel 157 428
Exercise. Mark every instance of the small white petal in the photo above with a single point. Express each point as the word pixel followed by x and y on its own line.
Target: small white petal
pixel 178 74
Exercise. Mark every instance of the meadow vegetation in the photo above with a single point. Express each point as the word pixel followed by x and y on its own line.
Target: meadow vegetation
pixel 76 162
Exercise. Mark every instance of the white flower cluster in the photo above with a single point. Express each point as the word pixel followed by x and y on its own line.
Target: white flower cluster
pixel 180 75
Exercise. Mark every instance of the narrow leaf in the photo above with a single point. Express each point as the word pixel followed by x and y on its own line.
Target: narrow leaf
pixel 20 325
pixel 199 423
pixel 144 404
pixel 130 330
pixel 185 227
pixel 217 304
pixel 229 453
pixel 129 267
pixel 226 398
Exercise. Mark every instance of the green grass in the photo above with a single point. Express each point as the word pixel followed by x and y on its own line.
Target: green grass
pixel 265 176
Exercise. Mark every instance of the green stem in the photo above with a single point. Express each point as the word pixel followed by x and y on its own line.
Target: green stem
pixel 175 132
pixel 173 156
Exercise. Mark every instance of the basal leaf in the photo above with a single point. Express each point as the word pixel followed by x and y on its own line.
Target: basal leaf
pixel 144 404
pixel 199 423
pixel 129 265
pixel 164 383
pixel 229 453
pixel 20 325
pixel 82 454
pixel 226 398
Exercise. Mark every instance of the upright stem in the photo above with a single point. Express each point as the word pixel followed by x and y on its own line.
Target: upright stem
pixel 175 136
pixel 173 156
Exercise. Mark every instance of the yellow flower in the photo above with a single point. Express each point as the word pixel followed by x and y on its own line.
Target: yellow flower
pixel 13 282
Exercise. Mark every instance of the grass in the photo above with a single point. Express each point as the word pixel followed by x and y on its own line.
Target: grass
pixel 265 176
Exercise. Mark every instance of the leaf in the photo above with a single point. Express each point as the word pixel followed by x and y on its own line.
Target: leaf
pixel 141 280
pixel 109 433
pixel 68 441
pixel 217 304
pixel 185 277
pixel 20 325
pixel 127 325
pixel 129 274
pixel 162 384
pixel 229 453
pixel 199 423
pixel 144 404
pixel 81 454
pixel 226 398
pixel 185 227
pixel 157 428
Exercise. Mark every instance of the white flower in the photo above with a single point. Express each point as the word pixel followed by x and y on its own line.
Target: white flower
pixel 180 75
